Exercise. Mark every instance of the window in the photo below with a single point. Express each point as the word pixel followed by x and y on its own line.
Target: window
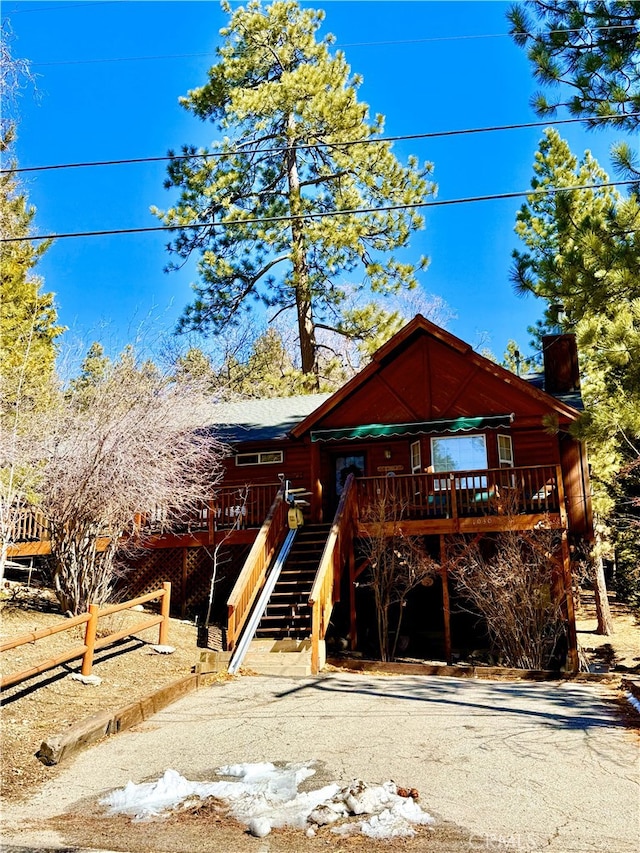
pixel 270 457
pixel 416 458
pixel 505 451
pixel 460 453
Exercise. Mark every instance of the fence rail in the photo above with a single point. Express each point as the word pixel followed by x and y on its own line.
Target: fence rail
pixel 28 524
pixel 239 507
pixel 91 643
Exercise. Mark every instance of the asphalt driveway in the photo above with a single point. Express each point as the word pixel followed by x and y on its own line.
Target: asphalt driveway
pixel 514 766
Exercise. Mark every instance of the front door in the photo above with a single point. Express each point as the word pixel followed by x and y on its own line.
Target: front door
pixel 345 464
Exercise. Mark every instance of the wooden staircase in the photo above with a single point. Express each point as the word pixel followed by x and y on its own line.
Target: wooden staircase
pixel 288 615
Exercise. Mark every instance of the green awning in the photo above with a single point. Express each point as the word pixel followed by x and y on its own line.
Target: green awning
pixel 447 425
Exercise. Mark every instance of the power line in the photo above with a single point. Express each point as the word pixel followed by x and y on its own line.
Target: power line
pixel 320 215
pixel 368 141
pixel 339 45
pixel 60 8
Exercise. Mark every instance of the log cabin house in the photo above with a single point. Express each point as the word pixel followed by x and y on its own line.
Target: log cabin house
pixel 463 446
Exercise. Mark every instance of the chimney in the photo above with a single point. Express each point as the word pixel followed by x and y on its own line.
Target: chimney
pixel 560 356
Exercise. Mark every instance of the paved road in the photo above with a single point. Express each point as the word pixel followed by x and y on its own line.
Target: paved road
pixel 515 766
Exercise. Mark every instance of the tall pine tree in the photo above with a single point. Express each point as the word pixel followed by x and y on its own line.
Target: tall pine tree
pixel 296 144
pixel 583 259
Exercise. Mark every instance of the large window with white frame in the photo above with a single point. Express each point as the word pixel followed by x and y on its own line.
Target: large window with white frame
pixel 460 453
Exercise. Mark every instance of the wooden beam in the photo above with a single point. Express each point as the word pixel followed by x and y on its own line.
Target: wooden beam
pixel 572 635
pixel 446 603
pixel 477 524
pixel 353 622
pixel 196 540
pixel 183 585
pixel 316 483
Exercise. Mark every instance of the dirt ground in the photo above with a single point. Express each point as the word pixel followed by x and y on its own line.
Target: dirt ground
pixel 48 704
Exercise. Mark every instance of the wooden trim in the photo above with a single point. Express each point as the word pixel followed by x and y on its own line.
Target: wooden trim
pixel 419 323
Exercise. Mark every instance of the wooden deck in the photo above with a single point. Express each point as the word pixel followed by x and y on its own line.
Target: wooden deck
pixel 462 501
pixel 235 513
pixel 421 504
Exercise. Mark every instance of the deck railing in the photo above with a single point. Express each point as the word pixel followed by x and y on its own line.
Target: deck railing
pixel 252 576
pixel 462 494
pixel 239 507
pixel 28 525
pixel 326 586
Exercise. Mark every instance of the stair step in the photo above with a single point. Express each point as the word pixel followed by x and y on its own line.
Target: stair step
pixel 288 613
pixel 284 620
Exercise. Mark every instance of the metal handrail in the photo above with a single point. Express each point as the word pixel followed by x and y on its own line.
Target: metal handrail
pixel 251 625
pixel 253 573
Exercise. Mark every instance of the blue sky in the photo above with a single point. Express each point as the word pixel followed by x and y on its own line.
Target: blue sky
pixel 109 78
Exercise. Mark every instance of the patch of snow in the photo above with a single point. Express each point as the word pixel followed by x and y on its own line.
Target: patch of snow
pixel 90 680
pixel 265 796
pixel 259 827
pixel 163 650
pixel 633 701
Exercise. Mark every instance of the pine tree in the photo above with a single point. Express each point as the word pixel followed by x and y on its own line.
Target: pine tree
pixel 297 144
pixel 591 48
pixel 583 258
pixel 28 325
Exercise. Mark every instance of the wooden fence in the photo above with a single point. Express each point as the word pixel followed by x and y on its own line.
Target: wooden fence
pixel 91 642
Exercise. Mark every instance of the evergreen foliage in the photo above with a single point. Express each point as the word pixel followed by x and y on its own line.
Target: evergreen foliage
pixel 583 258
pixel 296 144
pixel 28 318
pixel 591 47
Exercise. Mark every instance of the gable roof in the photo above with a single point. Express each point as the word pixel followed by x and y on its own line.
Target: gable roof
pixel 421 328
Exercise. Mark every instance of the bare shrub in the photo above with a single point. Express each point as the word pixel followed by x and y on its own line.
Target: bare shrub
pixel 513 580
pixel 397 563
pixel 121 444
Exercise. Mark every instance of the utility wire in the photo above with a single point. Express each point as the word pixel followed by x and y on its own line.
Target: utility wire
pixel 320 215
pixel 302 147
pixel 339 45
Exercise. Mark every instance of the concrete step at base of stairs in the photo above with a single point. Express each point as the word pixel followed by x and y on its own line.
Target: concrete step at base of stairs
pixel 267 656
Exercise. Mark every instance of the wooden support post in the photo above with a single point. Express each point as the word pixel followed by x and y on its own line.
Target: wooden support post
pixel 316 485
pixel 573 662
pixel 353 627
pixel 183 585
pixel 165 607
pixel 446 604
pixel 211 521
pixel 453 497
pixel 90 639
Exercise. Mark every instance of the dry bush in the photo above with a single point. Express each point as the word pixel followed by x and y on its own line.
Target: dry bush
pixel 396 564
pixel 120 445
pixel 513 580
